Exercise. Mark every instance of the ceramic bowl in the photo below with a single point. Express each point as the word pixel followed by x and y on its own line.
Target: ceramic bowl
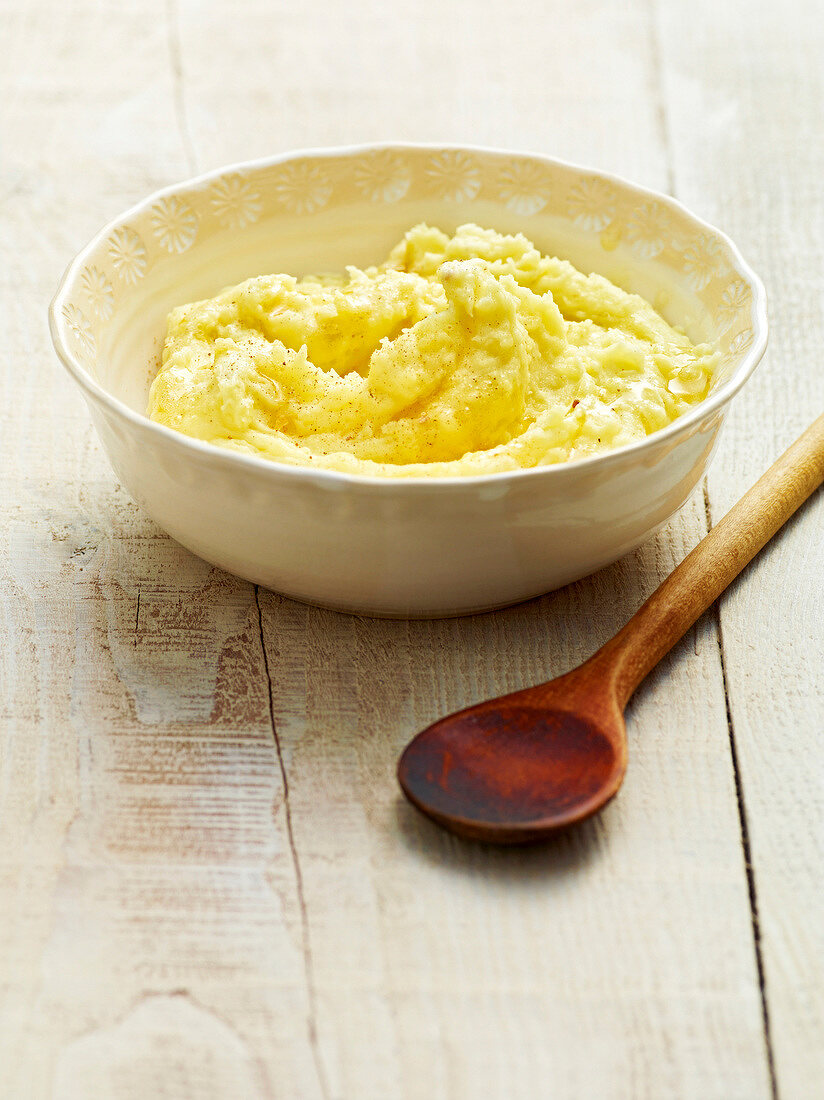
pixel 396 547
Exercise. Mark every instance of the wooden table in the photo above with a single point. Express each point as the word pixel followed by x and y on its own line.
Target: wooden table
pixel 209 886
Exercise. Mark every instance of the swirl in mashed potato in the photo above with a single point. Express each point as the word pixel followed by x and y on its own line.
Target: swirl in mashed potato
pixel 458 355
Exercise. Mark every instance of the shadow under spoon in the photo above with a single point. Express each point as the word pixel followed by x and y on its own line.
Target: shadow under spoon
pixel 519 767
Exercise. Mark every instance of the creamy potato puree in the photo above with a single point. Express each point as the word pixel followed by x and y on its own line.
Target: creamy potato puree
pixel 458 355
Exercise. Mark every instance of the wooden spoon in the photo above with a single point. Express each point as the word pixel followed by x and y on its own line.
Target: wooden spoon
pixel 516 768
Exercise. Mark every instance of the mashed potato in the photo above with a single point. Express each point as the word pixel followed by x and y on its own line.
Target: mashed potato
pixel 458 355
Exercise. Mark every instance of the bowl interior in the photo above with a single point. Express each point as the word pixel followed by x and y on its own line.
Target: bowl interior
pixel 321 211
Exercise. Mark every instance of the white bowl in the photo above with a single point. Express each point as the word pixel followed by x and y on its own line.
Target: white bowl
pixel 396 547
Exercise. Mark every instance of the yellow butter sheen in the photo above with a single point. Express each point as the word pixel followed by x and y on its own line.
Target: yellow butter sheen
pixel 458 355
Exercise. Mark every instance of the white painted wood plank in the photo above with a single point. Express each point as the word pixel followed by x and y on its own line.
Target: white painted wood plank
pixel 149 918
pixel 745 94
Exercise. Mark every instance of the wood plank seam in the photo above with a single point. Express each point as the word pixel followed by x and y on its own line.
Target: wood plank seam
pixel 664 133
pixel 666 141
pixel 745 834
pixel 306 942
pixel 176 63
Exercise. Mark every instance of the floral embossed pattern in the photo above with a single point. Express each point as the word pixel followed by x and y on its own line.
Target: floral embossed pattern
pixel 235 202
pixel 736 298
pixel 128 255
pixel 522 187
pixel 174 224
pixel 739 345
pixel 591 204
pixel 702 261
pixel 382 177
pixel 648 230
pixel 81 330
pixel 303 188
pixel 454 176
pixel 98 291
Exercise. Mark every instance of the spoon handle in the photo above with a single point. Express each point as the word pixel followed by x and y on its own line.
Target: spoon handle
pixel 704 574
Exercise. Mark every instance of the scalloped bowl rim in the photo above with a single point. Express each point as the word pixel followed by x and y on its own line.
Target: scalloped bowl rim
pixel 720 397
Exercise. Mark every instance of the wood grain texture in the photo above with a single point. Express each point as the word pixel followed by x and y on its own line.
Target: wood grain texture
pixel 209 885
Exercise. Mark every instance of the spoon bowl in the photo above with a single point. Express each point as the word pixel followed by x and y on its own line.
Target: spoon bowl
pixel 516 768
